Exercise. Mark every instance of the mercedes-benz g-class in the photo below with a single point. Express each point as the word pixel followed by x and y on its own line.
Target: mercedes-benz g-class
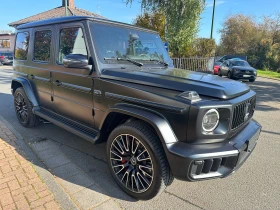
pixel 114 82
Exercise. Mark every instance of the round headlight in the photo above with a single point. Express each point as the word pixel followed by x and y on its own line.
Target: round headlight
pixel 210 120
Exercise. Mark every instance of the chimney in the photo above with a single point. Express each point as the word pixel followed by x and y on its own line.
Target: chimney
pixel 70 3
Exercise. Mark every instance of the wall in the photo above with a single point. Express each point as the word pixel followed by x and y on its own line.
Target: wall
pixel 10 37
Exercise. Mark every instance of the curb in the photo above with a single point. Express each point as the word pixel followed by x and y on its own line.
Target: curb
pixel 270 78
pixel 59 194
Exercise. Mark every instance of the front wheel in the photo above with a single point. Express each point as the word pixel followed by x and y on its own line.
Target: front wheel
pixel 137 160
pixel 229 75
pixel 252 80
pixel 219 72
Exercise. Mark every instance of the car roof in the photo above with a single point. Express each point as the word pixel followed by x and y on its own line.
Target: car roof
pixel 74 19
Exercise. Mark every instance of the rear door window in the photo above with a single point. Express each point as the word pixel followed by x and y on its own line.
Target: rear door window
pixel 21 47
pixel 42 45
pixel 71 41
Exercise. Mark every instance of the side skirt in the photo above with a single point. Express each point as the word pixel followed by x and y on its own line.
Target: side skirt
pixel 72 126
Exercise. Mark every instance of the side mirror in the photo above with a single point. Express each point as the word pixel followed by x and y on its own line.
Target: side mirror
pixel 76 61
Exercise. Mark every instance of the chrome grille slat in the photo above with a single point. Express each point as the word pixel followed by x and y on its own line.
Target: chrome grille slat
pixel 239 112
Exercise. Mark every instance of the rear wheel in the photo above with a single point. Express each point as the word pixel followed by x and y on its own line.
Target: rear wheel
pixel 252 80
pixel 229 75
pixel 23 109
pixel 137 160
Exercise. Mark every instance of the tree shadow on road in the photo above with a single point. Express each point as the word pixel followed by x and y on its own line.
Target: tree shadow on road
pixel 88 157
pixel 5 78
pixel 268 94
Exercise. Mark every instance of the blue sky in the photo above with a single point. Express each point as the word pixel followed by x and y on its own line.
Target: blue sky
pixel 117 10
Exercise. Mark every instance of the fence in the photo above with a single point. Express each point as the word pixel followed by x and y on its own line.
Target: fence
pixel 200 64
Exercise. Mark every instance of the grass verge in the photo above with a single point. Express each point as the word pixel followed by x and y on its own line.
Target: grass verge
pixel 269 74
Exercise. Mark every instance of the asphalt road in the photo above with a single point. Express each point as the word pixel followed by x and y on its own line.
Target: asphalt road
pixel 256 185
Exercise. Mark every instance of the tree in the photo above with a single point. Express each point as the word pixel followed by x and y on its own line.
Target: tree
pixel 182 18
pixel 204 47
pixel 152 20
pixel 237 33
pixel 258 38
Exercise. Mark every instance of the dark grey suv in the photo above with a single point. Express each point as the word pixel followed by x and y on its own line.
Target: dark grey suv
pixel 238 69
pixel 113 82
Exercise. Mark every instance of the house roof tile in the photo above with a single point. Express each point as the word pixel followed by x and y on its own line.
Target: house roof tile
pixel 53 13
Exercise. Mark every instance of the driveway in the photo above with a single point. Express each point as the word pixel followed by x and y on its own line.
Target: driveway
pixel 255 186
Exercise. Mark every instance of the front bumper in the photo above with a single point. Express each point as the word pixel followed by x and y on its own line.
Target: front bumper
pixel 243 75
pixel 206 161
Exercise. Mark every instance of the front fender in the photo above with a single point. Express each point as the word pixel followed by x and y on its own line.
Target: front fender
pixel 159 123
pixel 27 88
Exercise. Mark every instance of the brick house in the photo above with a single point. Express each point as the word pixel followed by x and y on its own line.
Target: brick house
pixel 56 12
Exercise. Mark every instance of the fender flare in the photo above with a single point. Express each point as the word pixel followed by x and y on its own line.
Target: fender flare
pixel 156 120
pixel 27 88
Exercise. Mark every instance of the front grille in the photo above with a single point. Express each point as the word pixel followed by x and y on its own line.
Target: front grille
pixel 243 112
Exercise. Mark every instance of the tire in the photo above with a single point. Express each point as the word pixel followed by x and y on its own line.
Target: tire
pixel 252 80
pixel 220 73
pixel 148 157
pixel 229 75
pixel 23 109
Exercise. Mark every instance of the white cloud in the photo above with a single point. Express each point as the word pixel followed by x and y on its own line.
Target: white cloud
pixel 210 3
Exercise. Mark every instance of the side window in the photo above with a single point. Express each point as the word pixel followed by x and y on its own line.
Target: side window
pixel 42 45
pixel 71 41
pixel 21 48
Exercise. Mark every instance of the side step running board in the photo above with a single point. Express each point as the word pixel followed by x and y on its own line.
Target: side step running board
pixel 72 126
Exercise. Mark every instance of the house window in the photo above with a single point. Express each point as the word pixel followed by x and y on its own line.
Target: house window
pixel 21 48
pixel 5 43
pixel 42 45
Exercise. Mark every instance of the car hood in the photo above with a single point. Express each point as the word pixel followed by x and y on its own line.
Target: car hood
pixel 180 80
pixel 244 68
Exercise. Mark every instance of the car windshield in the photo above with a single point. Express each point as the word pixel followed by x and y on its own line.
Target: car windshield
pixel 112 42
pixel 240 63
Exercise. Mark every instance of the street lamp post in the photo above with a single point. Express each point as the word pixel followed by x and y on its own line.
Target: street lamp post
pixel 213 16
pixel 66 9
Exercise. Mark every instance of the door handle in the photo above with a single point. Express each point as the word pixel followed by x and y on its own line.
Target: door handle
pixel 57 83
pixel 97 92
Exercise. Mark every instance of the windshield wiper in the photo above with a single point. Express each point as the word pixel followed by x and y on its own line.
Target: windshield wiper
pixel 159 61
pixel 126 59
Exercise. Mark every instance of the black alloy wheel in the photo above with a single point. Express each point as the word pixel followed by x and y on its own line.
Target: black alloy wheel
pixel 132 163
pixel 137 161
pixel 23 109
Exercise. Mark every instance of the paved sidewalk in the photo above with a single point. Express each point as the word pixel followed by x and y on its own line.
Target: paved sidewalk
pixel 85 193
pixel 20 186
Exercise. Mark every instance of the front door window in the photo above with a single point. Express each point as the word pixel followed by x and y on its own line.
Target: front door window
pixel 71 42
